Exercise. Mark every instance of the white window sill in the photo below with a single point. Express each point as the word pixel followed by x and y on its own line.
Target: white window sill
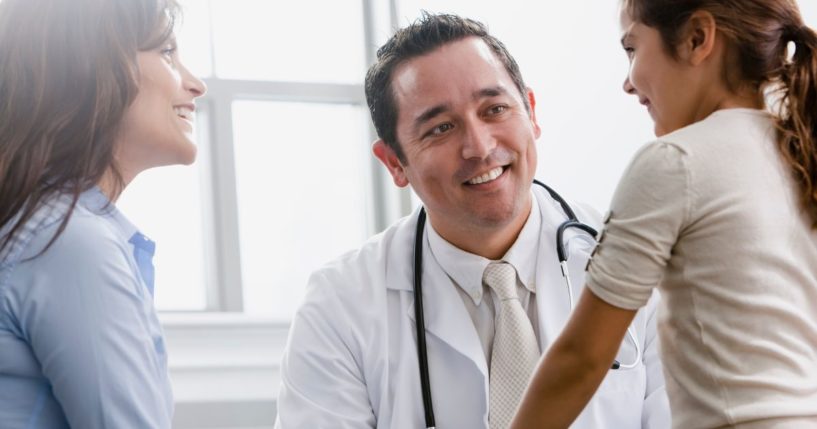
pixel 226 358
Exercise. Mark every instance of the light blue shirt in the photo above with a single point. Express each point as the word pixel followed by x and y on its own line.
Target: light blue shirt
pixel 80 343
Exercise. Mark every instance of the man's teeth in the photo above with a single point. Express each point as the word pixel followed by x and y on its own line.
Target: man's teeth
pixel 487 177
pixel 184 112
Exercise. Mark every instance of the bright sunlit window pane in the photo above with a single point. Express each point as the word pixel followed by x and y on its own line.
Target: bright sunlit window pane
pixel 301 178
pixel 307 40
pixel 164 204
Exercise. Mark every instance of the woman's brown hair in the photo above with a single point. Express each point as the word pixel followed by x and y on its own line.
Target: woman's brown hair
pixel 67 75
pixel 760 31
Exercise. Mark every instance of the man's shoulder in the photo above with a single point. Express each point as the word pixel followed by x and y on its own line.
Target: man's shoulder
pixel 585 213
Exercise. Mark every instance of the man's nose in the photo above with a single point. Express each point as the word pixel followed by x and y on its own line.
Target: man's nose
pixel 478 140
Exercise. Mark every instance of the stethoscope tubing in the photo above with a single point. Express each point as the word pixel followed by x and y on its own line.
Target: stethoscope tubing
pixel 422 355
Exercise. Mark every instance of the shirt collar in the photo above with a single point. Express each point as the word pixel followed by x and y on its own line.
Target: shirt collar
pixel 95 201
pixel 466 269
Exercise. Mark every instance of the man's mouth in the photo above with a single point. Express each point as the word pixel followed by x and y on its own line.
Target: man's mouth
pixel 487 177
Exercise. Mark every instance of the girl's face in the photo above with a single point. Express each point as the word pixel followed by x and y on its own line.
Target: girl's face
pixel 665 86
pixel 157 128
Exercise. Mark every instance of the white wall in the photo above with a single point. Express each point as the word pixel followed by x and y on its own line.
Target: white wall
pixel 570 54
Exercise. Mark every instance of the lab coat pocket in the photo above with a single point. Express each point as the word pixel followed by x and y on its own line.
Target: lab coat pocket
pixel 624 381
pixel 618 402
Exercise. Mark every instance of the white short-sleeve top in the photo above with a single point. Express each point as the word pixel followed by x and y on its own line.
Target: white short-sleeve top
pixel 711 214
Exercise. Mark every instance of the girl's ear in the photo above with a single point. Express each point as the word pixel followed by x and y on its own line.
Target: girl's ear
pixel 698 38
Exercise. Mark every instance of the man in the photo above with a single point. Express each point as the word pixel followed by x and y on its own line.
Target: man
pixel 457 123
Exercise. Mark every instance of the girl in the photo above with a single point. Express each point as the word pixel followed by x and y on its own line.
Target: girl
pixel 91 94
pixel 719 212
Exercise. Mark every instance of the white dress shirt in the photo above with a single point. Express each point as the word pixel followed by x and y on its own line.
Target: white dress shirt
pixel 466 269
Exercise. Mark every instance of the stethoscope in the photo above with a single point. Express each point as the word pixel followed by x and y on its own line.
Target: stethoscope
pixel 571 222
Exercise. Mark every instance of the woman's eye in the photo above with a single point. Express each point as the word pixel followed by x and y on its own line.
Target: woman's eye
pixel 629 51
pixel 168 51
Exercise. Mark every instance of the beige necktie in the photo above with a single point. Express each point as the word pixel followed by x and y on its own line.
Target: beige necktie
pixel 515 350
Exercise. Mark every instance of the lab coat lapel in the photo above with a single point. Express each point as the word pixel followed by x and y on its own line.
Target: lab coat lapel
pixel 445 315
pixel 552 301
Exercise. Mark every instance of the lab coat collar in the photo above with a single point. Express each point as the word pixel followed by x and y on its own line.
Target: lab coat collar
pixel 466 269
pixel 445 315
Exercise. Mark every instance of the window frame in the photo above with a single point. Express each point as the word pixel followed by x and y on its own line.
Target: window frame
pixel 223 361
pixel 224 291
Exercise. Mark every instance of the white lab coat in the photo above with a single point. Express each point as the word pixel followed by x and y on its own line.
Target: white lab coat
pixel 351 359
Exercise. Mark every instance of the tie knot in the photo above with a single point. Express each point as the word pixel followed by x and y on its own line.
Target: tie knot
pixel 501 277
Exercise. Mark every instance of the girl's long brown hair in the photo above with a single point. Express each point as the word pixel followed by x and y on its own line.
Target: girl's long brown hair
pixel 67 75
pixel 761 30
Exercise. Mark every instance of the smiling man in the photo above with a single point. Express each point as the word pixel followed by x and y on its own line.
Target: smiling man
pixel 457 124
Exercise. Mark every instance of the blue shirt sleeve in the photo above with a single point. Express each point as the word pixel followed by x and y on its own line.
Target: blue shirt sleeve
pixel 92 327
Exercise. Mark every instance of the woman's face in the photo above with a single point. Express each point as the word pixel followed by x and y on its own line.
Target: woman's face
pixel 157 128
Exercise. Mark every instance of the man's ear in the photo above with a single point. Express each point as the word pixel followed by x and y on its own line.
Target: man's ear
pixel 389 158
pixel 698 39
pixel 532 102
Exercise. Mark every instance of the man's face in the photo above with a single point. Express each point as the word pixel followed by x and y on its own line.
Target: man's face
pixel 468 140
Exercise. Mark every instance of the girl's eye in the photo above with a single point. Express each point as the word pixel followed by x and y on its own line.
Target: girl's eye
pixel 629 51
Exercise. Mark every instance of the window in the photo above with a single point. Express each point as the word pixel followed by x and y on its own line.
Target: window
pixel 287 231
pixel 285 180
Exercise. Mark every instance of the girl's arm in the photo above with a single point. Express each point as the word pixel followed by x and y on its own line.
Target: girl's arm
pixel 575 365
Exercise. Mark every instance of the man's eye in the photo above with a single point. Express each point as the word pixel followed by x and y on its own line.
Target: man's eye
pixel 441 129
pixel 496 110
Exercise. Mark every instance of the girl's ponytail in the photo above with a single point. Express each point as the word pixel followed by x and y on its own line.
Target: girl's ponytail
pixel 797 123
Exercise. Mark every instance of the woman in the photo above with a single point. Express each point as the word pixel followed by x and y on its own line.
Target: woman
pixel 91 94
pixel 719 212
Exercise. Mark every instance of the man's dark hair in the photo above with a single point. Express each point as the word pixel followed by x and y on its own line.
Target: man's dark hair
pixel 426 34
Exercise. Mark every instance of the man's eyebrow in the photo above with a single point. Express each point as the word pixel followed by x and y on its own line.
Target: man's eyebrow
pixel 493 91
pixel 429 114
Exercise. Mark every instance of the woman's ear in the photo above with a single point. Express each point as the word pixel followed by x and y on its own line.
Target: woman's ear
pixel 698 38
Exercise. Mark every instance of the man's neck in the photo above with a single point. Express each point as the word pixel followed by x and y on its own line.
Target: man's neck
pixel 491 242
